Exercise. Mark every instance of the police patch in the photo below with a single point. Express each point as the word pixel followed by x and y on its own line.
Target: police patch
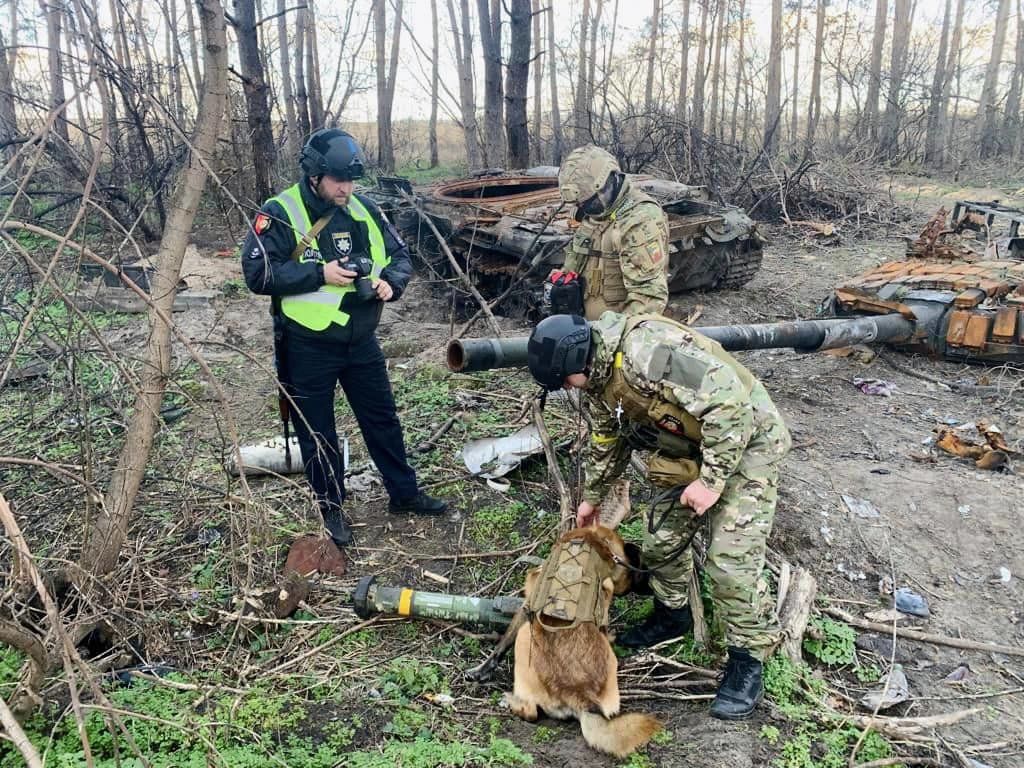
pixel 671 424
pixel 342 243
pixel 262 224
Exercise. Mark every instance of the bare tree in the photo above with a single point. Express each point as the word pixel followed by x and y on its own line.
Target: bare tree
pixel 108 529
pixel 580 113
pixel 558 142
pixel 889 137
pixel 434 79
pixel 254 86
pixel 697 105
pixel 592 60
pixel 52 9
pixel 952 72
pixel 291 129
pixel 875 74
pixel 538 81
pixel 8 117
pixel 301 97
pixel 716 65
pixel 773 105
pixel 467 100
pixel 814 108
pixel 741 66
pixel 986 131
pixel 387 70
pixel 684 61
pixel 313 90
pixel 1011 115
pixel 489 20
pixel 517 84
pixel 837 114
pixel 933 132
pixel 652 52
pixel 795 85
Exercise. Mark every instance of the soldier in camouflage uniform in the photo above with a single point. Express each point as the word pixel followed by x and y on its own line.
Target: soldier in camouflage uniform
pixel 621 246
pixel 716 439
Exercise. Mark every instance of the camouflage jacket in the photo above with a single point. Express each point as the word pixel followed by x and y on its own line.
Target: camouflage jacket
pixel 623 256
pixel 670 363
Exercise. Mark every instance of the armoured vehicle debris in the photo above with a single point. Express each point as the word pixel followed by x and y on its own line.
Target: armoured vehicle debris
pixel 969 308
pixel 508 231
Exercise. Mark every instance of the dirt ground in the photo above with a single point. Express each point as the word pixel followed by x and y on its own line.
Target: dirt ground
pixel 945 529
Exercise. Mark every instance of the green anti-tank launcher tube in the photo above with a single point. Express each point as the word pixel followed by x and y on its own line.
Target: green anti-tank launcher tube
pixel 371 598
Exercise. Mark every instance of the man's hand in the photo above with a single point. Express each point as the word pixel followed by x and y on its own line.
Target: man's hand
pixel 335 275
pixel 384 290
pixel 698 497
pixel 587 514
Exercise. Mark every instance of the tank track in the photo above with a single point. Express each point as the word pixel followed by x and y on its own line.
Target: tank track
pixel 715 266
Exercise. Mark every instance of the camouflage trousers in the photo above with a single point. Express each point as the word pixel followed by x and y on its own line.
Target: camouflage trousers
pixel 739 525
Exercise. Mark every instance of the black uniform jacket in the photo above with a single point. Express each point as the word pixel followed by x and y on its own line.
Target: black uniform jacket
pixel 270 270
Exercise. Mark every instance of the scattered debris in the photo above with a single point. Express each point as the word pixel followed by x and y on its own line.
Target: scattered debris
pixel 908 601
pixel 363 481
pixel 1002 577
pixel 491 457
pixel 878 387
pixel 851 574
pixel 958 675
pixel 991 455
pixel 436 577
pixel 964 510
pixel 887 615
pixel 893 690
pixel 885 585
pixel 882 647
pixel 862 508
pixel 267 457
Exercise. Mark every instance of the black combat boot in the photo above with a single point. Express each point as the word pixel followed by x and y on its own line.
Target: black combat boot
pixel 664 623
pixel 741 688
pixel 420 504
pixel 338 529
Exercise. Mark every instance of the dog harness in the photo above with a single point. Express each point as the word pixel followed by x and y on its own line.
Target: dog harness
pixel 568 591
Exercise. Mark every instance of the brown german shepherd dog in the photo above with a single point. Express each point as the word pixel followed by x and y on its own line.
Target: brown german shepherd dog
pixel 574 672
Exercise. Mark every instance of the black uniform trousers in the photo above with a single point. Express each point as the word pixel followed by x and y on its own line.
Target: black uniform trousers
pixel 315 368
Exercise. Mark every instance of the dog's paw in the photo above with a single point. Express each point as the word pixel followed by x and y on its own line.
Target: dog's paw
pixel 525 710
pixel 481 673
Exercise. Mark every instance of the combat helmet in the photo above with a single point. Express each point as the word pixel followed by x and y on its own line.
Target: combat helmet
pixel 590 178
pixel 334 152
pixel 558 347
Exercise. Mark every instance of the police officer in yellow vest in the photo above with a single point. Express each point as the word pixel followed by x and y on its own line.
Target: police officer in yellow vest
pixel 329 259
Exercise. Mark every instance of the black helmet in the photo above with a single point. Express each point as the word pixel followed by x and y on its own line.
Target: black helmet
pixel 334 152
pixel 559 346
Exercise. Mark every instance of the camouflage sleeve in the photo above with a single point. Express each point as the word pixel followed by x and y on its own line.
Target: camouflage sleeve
pixel 573 261
pixel 606 455
pixel 712 393
pixel 644 262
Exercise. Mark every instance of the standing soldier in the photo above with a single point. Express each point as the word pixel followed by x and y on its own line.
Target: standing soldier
pixel 716 440
pixel 330 259
pixel 619 255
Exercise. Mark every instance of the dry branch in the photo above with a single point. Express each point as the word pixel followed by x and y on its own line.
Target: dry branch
pixel 795 610
pixel 567 515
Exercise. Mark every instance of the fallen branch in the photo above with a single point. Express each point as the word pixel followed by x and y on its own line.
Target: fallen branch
pixel 924 637
pixel 454 262
pixel 795 610
pixel 567 515
pixel 38 661
pixel 18 737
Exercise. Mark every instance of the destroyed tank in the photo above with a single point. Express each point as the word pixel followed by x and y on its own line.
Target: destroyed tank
pixel 947 299
pixel 508 231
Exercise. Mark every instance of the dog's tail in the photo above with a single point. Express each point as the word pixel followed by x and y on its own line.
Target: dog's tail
pixel 618 735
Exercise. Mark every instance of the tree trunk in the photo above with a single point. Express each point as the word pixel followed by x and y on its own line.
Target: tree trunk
pixel 490 42
pixel 291 127
pixel 952 71
pixel 52 9
pixel 875 74
pixel 1011 115
pixel 716 66
pixel 592 67
pixel 518 84
pixel 467 101
pixel 254 86
pixel 697 107
pixel 12 52
pixel 313 90
pixel 722 81
pixel 986 130
pixel 684 63
pixel 740 70
pixel 795 85
pixel 580 119
pixel 814 108
pixel 837 116
pixel 558 142
pixel 434 80
pixel 193 47
pixel 8 117
pixel 606 64
pixel 652 52
pixel 107 532
pixel 933 131
pixel 538 82
pixel 893 118
pixel 772 109
pixel 301 98
pixel 386 73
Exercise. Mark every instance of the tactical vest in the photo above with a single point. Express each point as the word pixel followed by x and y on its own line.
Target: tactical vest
pixel 568 592
pixel 317 309
pixel 596 248
pixel 651 422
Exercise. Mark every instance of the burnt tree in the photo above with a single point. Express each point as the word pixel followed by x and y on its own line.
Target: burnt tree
pixel 517 85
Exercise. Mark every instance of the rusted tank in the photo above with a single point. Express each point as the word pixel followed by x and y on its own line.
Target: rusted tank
pixel 507 231
pixel 950 298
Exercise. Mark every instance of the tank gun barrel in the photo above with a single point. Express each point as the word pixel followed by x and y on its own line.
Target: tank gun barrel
pixel 467 355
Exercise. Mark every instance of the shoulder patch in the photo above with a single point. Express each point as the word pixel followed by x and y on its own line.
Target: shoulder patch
pixel 262 224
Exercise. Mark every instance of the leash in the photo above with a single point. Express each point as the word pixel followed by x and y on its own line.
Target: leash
pixel 652 528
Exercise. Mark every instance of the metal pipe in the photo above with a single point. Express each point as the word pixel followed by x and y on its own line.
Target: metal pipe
pixel 370 598
pixel 467 355
pixel 812 335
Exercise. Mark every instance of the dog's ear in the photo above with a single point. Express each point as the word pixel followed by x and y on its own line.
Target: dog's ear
pixel 615 507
